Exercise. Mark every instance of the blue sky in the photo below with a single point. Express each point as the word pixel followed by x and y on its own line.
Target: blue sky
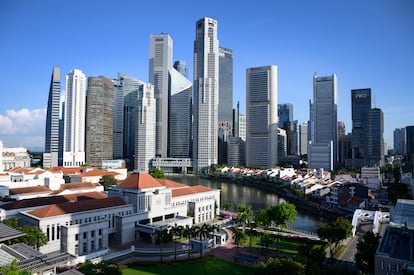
pixel 366 43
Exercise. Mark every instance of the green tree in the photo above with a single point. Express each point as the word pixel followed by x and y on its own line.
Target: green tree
pixel 12 222
pixel 157 173
pixel 366 249
pixel 176 231
pixel 261 218
pixel 335 232
pixel 11 269
pixel 189 232
pixel 281 266
pixel 282 214
pixel 243 215
pixel 104 267
pixel 34 236
pixel 238 236
pixel 107 181
pixel 202 232
pixel 161 235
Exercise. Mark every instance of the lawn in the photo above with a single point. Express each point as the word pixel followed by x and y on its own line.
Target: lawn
pixel 206 265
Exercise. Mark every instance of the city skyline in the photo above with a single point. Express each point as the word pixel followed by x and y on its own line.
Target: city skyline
pixel 367 45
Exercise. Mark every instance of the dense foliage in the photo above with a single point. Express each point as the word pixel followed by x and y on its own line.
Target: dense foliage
pixel 365 255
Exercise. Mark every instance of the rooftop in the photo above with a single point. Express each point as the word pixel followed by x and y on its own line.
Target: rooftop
pixel 30 190
pixel 397 242
pixel 140 181
pixel 8 232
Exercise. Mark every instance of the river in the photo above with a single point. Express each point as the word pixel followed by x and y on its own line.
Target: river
pixel 247 195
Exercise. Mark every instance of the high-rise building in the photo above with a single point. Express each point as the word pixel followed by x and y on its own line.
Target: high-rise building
pixel 99 120
pixel 181 67
pixel 409 132
pixel 145 145
pixel 285 113
pixel 74 123
pixel 303 139
pixel 324 123
pixel 206 77
pixel 130 87
pixel 261 112
pixel 361 106
pixel 399 141
pixel 341 128
pixel 118 120
pixel 160 63
pixel 179 116
pixel 242 127
pixel 51 154
pixel 375 138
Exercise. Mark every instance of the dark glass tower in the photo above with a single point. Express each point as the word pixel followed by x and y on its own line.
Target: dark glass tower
pixel 50 156
pixel 361 106
pixel 410 142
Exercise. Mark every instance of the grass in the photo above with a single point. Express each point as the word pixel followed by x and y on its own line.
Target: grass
pixel 206 265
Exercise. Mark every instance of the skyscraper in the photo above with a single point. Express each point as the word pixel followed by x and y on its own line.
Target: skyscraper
pixel 324 123
pixel 118 120
pixel 74 123
pixel 285 115
pixel 160 62
pixel 181 67
pixel 303 139
pixel 130 87
pixel 361 106
pixel 51 154
pixel 399 141
pixel 145 145
pixel 375 138
pixel 206 77
pixel 409 131
pixel 179 116
pixel 261 108
pixel 99 120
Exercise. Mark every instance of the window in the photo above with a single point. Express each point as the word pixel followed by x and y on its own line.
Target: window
pixel 100 232
pixel 93 233
pixel 76 237
pixel 85 235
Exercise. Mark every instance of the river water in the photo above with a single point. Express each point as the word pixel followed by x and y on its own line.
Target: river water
pixel 247 195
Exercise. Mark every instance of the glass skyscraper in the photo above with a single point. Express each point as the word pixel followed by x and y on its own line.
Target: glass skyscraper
pixel 261 108
pixel 51 154
pixel 361 106
pixel 206 78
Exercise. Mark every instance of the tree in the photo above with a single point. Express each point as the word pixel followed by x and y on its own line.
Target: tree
pixel 157 173
pixel 177 231
pixel 335 232
pixel 281 266
pixel 104 267
pixel 161 235
pixel 366 249
pixel 282 214
pixel 190 232
pixel 34 236
pixel 261 218
pixel 107 181
pixel 11 269
pixel 238 236
pixel 202 232
pixel 243 215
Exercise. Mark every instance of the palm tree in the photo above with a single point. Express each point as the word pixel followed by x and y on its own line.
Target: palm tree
pixel 202 232
pixel 238 235
pixel 243 215
pixel 177 231
pixel 160 233
pixel 189 232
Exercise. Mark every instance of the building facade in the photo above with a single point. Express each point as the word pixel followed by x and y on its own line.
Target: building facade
pixel 179 145
pixel 206 78
pixel 399 141
pixel 160 63
pixel 145 143
pixel 323 120
pixel 50 156
pixel 261 112
pixel 375 138
pixel 118 120
pixel 99 120
pixel 74 121
pixel 409 131
pixel 303 139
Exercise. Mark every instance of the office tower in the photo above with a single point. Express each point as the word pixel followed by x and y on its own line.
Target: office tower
pixel 61 128
pixel 303 139
pixel 235 151
pixel 74 124
pixel 324 138
pixel 160 62
pixel 118 120
pixel 409 132
pixel 361 106
pixel 341 128
pixel 236 115
pixel 179 116
pixel 181 67
pixel 206 77
pixel 261 112
pixel 130 87
pixel 242 127
pixel 375 138
pixel 99 120
pixel 145 142
pixel 345 150
pixel 285 113
pixel 281 142
pixel 51 154
pixel 399 141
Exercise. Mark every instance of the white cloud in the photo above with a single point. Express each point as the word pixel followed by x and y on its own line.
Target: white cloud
pixel 23 128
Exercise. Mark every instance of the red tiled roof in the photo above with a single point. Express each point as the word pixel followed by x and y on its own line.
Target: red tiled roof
pixel 76 185
pixel 28 190
pixel 75 207
pixel 139 181
pixel 190 190
pixel 98 172
pixel 171 184
pixel 66 170
pixel 53 200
